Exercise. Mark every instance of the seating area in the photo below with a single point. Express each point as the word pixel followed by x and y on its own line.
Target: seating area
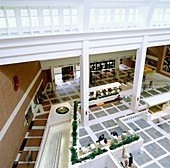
pixel 104 143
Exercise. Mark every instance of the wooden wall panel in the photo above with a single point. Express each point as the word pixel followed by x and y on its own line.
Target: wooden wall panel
pixel 26 73
pixel 155 51
pixel 12 140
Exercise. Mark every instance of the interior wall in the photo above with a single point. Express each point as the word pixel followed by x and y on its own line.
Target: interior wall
pixel 46 79
pixel 128 62
pixel 92 58
pixel 13 137
pixel 155 51
pixel 60 62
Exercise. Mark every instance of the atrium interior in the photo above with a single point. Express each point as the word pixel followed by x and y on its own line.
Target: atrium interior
pixel 105 61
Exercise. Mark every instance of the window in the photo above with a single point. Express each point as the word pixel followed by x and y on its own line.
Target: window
pixel 11 18
pixel 108 16
pixel 55 17
pixel 2 19
pixel 133 16
pixel 167 15
pixel 66 16
pixel 119 15
pixel 161 17
pixel 46 17
pixel 74 17
pixel 157 15
pixel 34 17
pixel 25 18
pixel 92 16
pixel 101 16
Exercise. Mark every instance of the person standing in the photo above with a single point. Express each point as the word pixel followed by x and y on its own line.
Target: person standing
pixel 130 160
pixel 144 87
pixel 144 78
pixel 150 84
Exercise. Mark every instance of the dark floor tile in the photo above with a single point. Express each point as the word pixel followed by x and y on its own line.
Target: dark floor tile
pixel 142 123
pixel 112 110
pixel 109 123
pixel 153 165
pixel 91 117
pixel 165 142
pixel 96 127
pixel 153 133
pixel 122 107
pixel 165 162
pixel 82 132
pixel 165 127
pixel 141 159
pixel 86 141
pixel 66 98
pixel 133 126
pixel 144 136
pixel 100 114
pixel 95 109
pixel 154 150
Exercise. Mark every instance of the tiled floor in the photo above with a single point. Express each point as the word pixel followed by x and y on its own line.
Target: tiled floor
pixel 104 119
pixel 156 143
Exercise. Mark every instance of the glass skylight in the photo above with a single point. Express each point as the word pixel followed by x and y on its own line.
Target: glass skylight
pixel 99 15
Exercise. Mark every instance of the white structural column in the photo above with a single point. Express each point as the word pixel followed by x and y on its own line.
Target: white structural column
pixel 74 69
pixel 84 83
pixel 53 79
pixel 138 76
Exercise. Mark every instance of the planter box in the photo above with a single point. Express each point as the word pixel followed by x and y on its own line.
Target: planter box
pixel 102 100
pixel 136 145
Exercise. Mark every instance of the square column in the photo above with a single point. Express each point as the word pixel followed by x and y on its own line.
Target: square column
pixel 84 83
pixel 138 76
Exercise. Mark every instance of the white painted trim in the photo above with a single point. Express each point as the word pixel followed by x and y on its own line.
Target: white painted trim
pixel 32 104
pixel 14 113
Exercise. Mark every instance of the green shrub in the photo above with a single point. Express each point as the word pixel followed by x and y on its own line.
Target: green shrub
pixel 136 137
pixel 120 144
pixel 74 156
pixel 115 140
pixel 100 151
pixel 74 125
pixel 75 110
pixel 113 146
pixel 125 140
pixel 74 136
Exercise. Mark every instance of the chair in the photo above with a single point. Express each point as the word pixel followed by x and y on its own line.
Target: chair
pixel 102 143
pixel 84 149
pixel 92 146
